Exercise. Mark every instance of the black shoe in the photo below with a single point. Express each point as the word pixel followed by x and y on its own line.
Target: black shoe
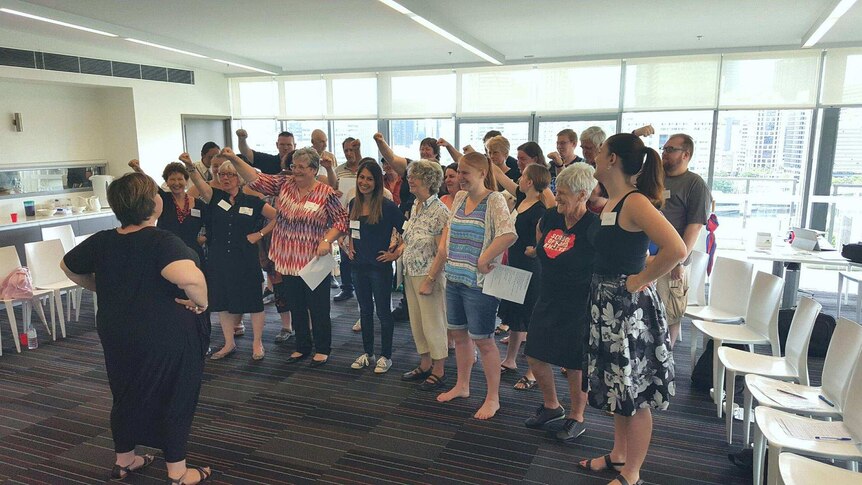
pixel 293 360
pixel 571 431
pixel 343 295
pixel 544 416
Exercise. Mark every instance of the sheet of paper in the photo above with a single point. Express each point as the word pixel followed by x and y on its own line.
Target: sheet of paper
pixel 344 186
pixel 809 401
pixel 316 270
pixel 811 429
pixel 507 283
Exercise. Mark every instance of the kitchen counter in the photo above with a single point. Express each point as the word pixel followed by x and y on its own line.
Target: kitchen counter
pixel 37 220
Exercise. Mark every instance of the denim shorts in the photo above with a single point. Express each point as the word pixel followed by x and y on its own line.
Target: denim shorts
pixel 469 309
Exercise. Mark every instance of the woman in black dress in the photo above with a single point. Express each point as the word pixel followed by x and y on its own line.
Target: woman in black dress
pixel 560 320
pixel 233 271
pixel 522 255
pixel 147 280
pixel 630 368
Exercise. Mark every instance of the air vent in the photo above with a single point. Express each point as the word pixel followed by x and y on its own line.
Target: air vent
pixel 99 67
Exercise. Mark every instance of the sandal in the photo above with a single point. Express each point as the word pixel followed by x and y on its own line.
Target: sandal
pixel 507 370
pixel 620 478
pixel 500 330
pixel 433 383
pixel 525 383
pixel 121 472
pixel 416 374
pixel 609 465
pixel 205 476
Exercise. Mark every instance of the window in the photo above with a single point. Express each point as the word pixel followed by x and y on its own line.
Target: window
pixel 405 136
pixel 760 156
pixel 305 98
pixel 498 91
pixel 771 79
pixel 471 134
pixel 258 98
pixel 697 124
pixel 844 222
pixel 261 134
pixel 580 87
pixel 302 131
pixel 362 130
pixel 671 83
pixel 842 81
pixel 548 132
pixel 354 97
pixel 423 95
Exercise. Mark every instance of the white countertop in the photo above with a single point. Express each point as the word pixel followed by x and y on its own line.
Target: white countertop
pixel 37 220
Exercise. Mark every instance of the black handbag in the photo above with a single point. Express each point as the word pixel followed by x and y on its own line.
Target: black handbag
pixel 853 252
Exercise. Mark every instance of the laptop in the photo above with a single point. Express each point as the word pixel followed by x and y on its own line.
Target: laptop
pixel 810 240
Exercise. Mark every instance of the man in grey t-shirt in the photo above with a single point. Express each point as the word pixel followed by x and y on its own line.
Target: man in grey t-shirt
pixel 686 206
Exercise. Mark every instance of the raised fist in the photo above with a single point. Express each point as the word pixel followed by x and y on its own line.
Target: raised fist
pixel 187 160
pixel 378 137
pixel 555 157
pixel 646 130
pixel 228 152
pixel 443 143
pixel 241 134
pixel 135 164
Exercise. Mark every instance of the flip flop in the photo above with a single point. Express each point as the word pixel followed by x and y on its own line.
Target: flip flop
pixel 526 384
pixel 507 370
pixel 121 472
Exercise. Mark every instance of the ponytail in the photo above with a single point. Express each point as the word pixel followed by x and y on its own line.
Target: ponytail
pixel 650 181
pixel 480 162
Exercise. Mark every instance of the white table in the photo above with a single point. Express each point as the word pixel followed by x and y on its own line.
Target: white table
pixel 784 254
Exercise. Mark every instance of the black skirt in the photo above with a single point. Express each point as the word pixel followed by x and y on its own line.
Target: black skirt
pixel 558 328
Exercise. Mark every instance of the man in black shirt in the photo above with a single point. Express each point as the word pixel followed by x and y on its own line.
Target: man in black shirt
pixel 265 162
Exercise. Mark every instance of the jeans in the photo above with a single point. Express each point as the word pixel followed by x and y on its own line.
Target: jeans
pixel 346 276
pixel 374 289
pixel 303 301
pixel 469 309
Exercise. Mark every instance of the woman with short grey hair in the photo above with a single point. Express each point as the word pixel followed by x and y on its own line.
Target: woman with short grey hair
pixel 422 232
pixel 591 139
pixel 560 321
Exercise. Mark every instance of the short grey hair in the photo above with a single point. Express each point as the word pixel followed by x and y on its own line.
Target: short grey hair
pixel 310 155
pixel 228 166
pixel 577 177
pixel 594 134
pixel 427 172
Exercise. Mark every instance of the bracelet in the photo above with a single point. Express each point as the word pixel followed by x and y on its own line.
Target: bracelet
pixel 433 279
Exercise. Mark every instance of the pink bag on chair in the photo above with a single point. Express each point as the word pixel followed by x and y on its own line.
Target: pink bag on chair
pixel 17 285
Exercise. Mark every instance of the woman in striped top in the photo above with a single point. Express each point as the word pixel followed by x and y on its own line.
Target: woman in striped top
pixel 480 229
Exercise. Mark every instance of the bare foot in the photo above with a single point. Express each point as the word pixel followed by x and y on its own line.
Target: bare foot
pixel 453 393
pixel 488 410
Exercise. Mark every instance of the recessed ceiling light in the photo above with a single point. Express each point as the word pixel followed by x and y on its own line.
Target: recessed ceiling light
pixel 158 46
pixel 236 64
pixel 57 22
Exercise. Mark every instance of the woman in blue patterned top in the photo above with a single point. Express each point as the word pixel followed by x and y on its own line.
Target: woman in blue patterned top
pixel 480 229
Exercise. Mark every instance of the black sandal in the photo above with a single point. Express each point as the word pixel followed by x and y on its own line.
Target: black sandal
pixel 121 472
pixel 609 465
pixel 620 478
pixel 433 383
pixel 416 374
pixel 205 477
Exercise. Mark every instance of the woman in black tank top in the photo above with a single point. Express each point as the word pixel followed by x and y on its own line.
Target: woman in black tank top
pixel 629 367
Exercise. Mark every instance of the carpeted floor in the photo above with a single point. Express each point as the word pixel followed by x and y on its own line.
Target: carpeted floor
pixel 272 422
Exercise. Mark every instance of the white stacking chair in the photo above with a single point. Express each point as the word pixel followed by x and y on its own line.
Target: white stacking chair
pixel 9 262
pixel 66 235
pixel 729 292
pixel 773 425
pixel 798 470
pixel 81 238
pixel 43 259
pixel 760 327
pixel 792 367
pixel 697 279
pixel 844 349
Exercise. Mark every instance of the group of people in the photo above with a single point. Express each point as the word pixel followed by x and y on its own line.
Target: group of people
pixel 606 238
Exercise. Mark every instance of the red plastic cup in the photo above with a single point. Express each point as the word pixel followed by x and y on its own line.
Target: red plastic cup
pixel 14 216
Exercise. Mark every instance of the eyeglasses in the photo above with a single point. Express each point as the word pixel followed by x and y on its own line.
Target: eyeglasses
pixel 671 149
pixel 227 174
pixel 296 167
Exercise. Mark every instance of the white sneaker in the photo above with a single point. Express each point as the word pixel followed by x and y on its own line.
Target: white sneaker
pixel 362 361
pixel 383 365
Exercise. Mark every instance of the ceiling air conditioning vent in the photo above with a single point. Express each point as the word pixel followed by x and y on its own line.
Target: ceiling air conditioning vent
pixel 17 58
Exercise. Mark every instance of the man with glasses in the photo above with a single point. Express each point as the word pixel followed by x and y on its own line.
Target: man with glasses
pixel 567 141
pixel 265 162
pixel 687 205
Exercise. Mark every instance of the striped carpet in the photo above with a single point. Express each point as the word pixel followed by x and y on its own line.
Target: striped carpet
pixel 271 422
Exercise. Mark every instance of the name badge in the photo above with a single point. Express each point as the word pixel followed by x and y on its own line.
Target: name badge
pixel 224 205
pixel 609 218
pixel 354 234
pixel 196 212
pixel 354 224
pixel 311 206
pixel 666 194
pixel 246 211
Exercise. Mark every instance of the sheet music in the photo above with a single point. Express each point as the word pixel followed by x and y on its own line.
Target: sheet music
pixel 811 429
pixel 317 269
pixel 507 283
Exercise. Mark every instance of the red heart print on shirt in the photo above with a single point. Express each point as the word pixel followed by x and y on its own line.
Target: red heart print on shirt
pixel 557 243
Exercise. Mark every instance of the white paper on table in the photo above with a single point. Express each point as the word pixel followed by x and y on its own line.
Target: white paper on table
pixel 811 429
pixel 316 270
pixel 344 186
pixel 507 283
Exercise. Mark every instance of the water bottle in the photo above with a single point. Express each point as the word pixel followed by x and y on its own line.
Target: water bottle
pixel 32 338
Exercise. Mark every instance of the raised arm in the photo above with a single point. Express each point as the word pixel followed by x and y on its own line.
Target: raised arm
pixel 327 161
pixel 204 189
pixel 246 171
pixel 246 150
pixel 453 152
pixel 136 165
pixel 398 163
pixel 503 180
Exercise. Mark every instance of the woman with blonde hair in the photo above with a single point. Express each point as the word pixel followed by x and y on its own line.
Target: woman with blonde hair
pixel 480 229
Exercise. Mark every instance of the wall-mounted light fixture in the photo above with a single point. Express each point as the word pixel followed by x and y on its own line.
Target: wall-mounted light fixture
pixel 17 122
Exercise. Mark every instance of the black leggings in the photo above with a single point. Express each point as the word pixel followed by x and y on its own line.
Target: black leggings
pixel 303 301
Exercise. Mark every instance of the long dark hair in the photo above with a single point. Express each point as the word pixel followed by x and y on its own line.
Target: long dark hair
pixel 533 150
pixel 643 161
pixel 374 201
